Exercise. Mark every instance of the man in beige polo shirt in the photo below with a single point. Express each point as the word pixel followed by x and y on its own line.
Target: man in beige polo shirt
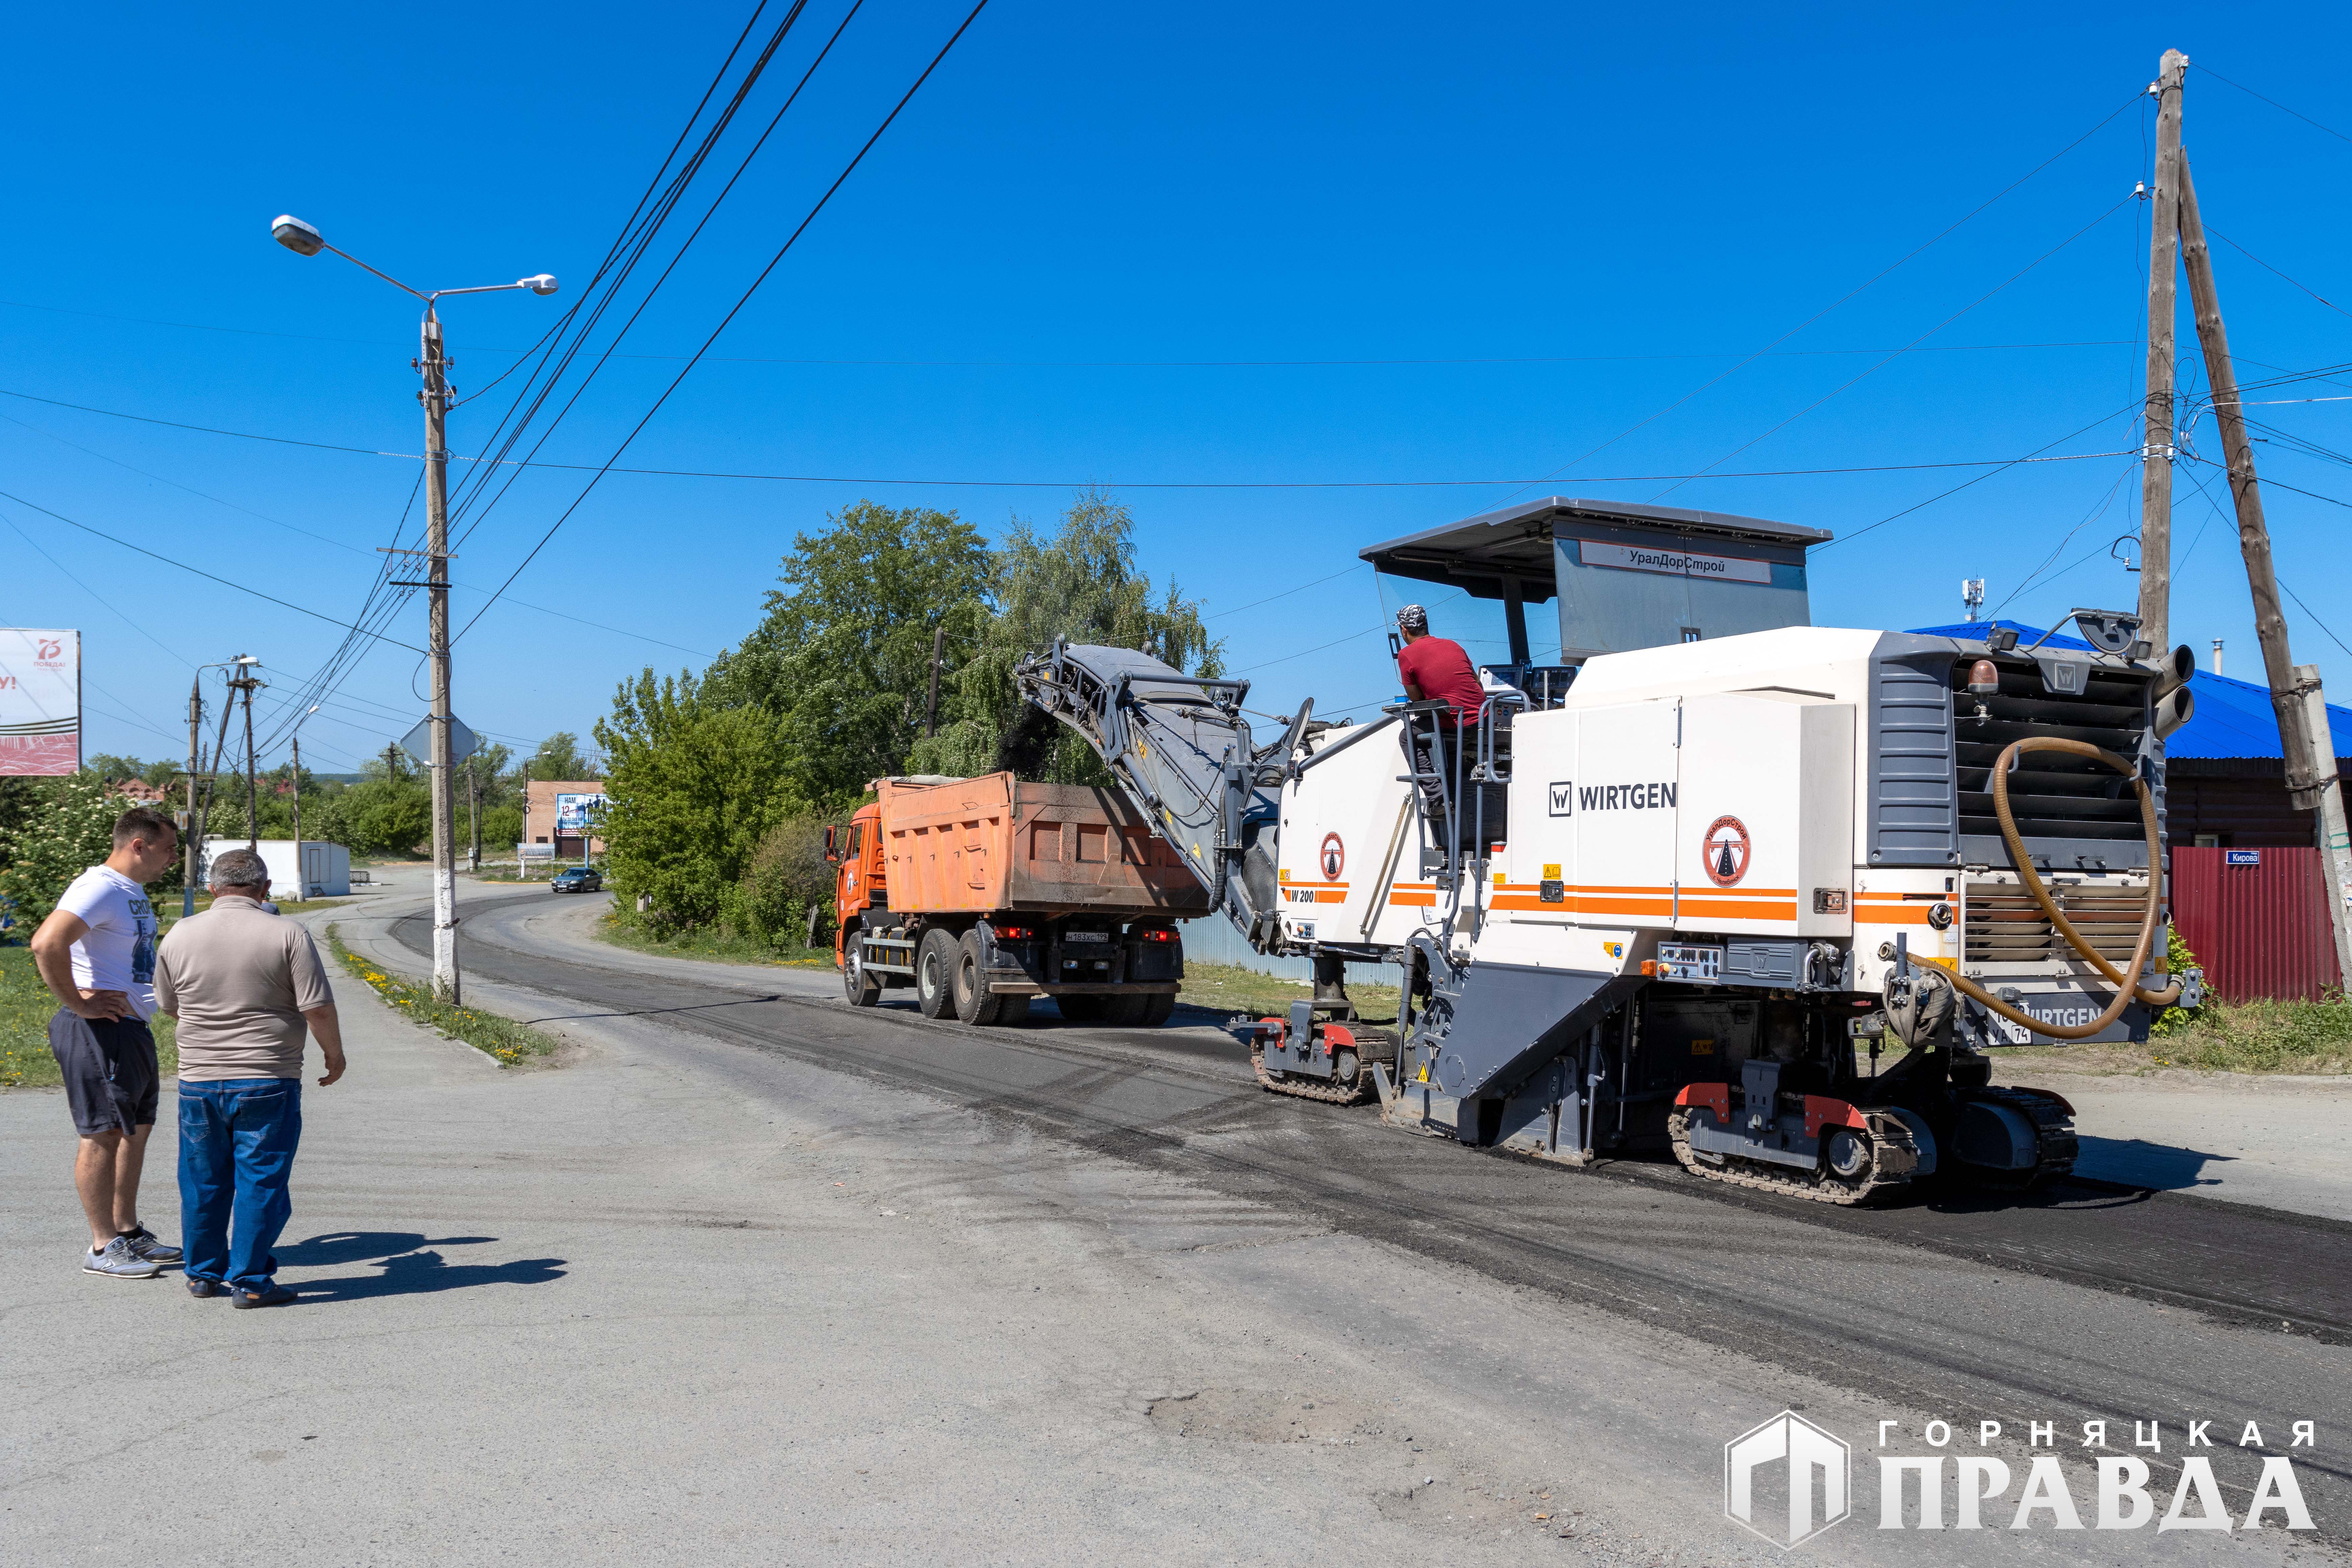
pixel 247 986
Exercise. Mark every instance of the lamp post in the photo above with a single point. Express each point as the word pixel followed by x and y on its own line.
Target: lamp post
pixel 304 239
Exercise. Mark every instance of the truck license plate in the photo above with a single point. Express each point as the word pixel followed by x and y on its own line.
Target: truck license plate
pixel 1676 962
pixel 1086 936
pixel 2014 1033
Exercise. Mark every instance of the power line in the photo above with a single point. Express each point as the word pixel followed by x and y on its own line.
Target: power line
pixel 2273 271
pixel 1849 294
pixel 2034 457
pixel 675 194
pixel 2282 108
pixel 1898 353
pixel 888 121
pixel 1270 598
pixel 1342 364
pixel 224 582
pixel 1082 484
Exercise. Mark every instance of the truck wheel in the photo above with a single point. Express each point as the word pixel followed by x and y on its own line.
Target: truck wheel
pixel 864 990
pixel 974 1002
pixel 935 963
pixel 1157 1007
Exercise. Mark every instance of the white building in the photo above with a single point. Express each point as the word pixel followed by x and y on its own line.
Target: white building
pixel 326 868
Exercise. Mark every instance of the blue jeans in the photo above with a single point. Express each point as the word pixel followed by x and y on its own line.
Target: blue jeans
pixel 238 1138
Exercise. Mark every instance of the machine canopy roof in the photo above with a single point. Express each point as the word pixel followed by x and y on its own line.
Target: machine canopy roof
pixel 1480 554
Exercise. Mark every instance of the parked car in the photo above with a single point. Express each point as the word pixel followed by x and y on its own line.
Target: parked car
pixel 578 879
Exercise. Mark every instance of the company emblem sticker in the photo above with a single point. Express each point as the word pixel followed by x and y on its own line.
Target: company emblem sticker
pixel 1791 1455
pixel 1726 850
pixel 1335 857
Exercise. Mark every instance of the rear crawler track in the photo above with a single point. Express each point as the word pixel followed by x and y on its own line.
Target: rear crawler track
pixel 1893 1163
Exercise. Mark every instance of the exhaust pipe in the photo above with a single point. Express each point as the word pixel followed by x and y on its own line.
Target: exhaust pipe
pixel 2173 673
pixel 2177 707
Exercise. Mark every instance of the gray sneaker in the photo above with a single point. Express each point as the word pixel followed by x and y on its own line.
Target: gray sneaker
pixel 120 1261
pixel 144 1243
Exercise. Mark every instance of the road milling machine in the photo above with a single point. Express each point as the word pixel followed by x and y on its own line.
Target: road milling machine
pixel 1720 882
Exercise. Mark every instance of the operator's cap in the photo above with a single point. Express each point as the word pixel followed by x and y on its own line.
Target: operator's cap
pixel 1412 618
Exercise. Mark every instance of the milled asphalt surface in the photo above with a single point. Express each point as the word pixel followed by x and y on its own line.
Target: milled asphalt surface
pixel 752 1277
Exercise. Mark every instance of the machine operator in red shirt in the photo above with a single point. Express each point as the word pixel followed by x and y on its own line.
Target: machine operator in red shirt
pixel 1438 668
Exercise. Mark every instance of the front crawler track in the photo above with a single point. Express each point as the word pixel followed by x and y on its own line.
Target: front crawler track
pixel 1893 1163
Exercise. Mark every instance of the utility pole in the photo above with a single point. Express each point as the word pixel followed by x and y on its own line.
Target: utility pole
pixel 245 682
pixel 932 705
pixel 473 815
pixel 392 764
pixel 435 398
pixel 189 826
pixel 212 775
pixel 2163 265
pixel 2308 748
pixel 301 881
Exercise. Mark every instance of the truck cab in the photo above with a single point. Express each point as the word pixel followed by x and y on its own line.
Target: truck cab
pixel 859 879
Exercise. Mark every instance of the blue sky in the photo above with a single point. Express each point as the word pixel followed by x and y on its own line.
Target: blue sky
pixel 1502 240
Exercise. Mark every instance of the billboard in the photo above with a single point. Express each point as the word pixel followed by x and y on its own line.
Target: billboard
pixel 575 813
pixel 40 703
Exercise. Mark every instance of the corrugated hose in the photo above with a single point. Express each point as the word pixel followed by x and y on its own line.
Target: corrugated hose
pixel 2127 988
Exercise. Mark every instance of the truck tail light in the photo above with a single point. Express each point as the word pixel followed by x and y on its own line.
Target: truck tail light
pixel 1156 934
pixel 1013 933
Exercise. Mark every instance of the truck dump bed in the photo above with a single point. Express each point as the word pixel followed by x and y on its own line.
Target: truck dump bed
pixel 993 843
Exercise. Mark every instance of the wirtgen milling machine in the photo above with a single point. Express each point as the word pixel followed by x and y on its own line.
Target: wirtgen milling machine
pixel 1722 881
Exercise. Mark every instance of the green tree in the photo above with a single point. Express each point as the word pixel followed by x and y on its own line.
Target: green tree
pixel 1081 585
pixel 559 757
pixel 68 828
pixel 114 769
pixel 694 788
pixel 842 657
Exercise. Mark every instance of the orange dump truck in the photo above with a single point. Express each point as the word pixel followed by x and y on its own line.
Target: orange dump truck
pixel 983 893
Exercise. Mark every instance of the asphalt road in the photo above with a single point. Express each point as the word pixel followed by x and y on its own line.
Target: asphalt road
pixel 2080 1303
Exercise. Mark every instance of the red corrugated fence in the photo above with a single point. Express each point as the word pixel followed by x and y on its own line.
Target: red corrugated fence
pixel 2259 929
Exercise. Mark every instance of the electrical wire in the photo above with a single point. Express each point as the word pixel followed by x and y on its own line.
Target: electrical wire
pixel 1979 478
pixel 1866 283
pixel 1898 353
pixel 1082 484
pixel 224 582
pixel 523 353
pixel 2274 103
pixel 2274 272
pixel 773 262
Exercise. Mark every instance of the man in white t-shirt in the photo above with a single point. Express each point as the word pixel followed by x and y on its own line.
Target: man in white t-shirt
pixel 97 952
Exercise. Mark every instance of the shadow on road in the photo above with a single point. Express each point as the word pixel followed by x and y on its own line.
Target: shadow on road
pixel 2139 1163
pixel 424 1273
pixel 332 1247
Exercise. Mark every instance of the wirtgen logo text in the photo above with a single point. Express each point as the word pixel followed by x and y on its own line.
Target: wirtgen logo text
pixel 2189 1479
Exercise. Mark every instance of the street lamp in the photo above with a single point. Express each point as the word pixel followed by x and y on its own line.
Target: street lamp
pixel 304 239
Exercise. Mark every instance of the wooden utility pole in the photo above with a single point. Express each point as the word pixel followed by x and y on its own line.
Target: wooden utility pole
pixel 2308 749
pixel 474 815
pixel 392 764
pixel 2163 264
pixel 932 705
pixel 191 826
pixel 252 779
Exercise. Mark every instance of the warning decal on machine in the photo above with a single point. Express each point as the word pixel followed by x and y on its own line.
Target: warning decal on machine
pixel 1724 851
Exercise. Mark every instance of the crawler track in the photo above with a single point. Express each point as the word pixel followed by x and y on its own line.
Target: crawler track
pixel 1330 1091
pixel 1890 1140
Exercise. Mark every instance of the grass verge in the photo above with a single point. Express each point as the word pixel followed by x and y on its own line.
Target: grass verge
pixel 26 1009
pixel 622 931
pixel 2261 1036
pixel 503 1040
pixel 1229 988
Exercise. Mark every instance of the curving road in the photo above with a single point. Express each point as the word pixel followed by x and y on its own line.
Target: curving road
pixel 2082 1302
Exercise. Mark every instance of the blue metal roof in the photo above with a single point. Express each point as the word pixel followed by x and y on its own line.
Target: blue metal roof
pixel 2234 718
